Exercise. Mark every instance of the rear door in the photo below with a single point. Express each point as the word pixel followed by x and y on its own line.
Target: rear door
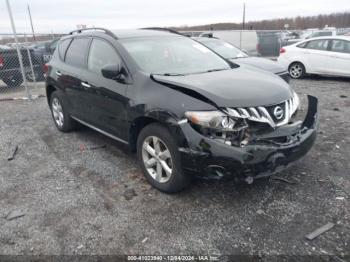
pixel 340 57
pixel 75 62
pixel 317 56
pixel 106 98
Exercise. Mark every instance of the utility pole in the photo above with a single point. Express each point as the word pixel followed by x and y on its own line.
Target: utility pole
pixel 243 24
pixel 17 48
pixel 31 21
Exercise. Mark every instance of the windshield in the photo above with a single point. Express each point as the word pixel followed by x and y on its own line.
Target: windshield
pixel 173 55
pixel 223 48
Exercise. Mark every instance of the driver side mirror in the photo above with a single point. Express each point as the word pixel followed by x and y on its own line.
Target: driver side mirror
pixel 114 72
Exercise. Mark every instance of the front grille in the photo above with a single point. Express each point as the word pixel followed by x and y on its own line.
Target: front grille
pixel 280 117
pixel 268 114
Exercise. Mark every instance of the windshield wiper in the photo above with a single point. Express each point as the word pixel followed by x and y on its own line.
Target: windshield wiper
pixel 169 74
pixel 217 69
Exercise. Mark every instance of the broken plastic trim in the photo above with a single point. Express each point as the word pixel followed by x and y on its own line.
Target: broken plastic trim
pixel 261 114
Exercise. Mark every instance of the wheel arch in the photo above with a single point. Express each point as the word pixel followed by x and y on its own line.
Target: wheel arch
pixel 299 61
pixel 49 90
pixel 165 118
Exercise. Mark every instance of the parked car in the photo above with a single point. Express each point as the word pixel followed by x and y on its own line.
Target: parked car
pixel 247 39
pixel 323 56
pixel 10 71
pixel 320 33
pixel 184 109
pixel 287 35
pixel 4 47
pixel 234 54
pixel 44 50
pixel 312 33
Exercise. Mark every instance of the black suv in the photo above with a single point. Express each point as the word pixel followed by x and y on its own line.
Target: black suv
pixel 183 108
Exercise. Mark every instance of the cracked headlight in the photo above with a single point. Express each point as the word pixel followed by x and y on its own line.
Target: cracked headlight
pixel 212 119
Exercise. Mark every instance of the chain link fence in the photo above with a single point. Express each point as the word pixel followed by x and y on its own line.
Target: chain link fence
pixel 32 53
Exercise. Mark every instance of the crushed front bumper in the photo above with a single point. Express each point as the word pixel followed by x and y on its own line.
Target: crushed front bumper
pixel 213 159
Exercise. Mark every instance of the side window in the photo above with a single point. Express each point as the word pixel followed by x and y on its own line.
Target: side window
pixel 62 47
pixel 302 45
pixel 340 46
pixel 318 44
pixel 76 52
pixel 101 54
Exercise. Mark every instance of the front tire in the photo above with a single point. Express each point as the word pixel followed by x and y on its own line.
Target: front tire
pixel 296 70
pixel 60 114
pixel 159 158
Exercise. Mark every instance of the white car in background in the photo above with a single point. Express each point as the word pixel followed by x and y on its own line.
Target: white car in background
pixel 321 55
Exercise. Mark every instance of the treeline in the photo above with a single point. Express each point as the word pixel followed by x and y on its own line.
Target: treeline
pixel 21 39
pixel 339 20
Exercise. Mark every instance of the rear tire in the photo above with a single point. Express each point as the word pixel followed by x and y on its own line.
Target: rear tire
pixel 296 70
pixel 159 158
pixel 60 115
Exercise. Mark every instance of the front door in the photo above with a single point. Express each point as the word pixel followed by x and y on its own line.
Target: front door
pixel 340 57
pixel 106 98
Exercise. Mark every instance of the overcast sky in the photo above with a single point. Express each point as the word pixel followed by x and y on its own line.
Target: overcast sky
pixel 64 15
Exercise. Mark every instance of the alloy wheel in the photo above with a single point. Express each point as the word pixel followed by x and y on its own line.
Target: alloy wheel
pixel 57 112
pixel 296 70
pixel 157 159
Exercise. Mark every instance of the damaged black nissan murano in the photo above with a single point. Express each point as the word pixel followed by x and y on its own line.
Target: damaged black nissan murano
pixel 185 110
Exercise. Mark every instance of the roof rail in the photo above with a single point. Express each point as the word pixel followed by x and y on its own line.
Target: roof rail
pixel 162 29
pixel 108 32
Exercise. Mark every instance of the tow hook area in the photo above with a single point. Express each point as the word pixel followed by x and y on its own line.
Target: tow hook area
pixel 273 167
pixel 216 172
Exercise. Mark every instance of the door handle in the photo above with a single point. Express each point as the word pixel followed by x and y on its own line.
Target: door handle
pixel 58 73
pixel 85 85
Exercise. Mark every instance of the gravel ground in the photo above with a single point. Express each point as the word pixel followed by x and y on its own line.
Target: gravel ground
pixel 76 199
pixel 35 89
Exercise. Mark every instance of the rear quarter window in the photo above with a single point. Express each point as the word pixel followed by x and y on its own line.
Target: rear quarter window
pixel 62 48
pixel 302 45
pixel 76 53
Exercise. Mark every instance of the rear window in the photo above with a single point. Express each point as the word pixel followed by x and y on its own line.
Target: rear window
pixel 76 53
pixel 62 48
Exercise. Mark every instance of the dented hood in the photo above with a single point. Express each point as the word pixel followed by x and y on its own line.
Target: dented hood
pixel 238 87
